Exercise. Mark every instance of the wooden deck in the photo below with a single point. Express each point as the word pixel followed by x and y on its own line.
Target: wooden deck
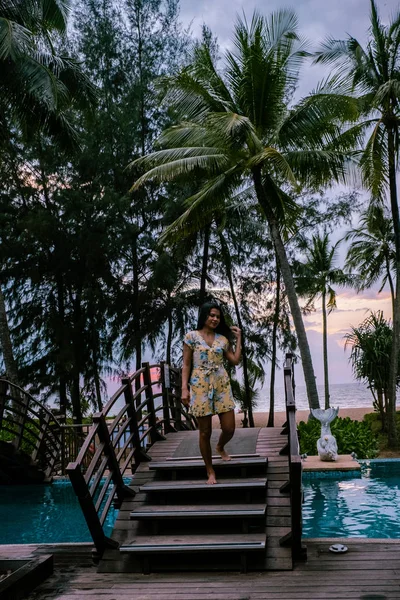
pixel 277 519
pixel 369 571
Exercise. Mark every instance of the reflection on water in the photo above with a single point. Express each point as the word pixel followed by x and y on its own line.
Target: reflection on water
pixel 43 514
pixel 362 507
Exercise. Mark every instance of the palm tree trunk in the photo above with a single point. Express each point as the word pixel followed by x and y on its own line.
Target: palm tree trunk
pixel 203 280
pixel 228 266
pixel 325 349
pixel 287 276
pixel 394 358
pixel 6 345
pixel 391 285
pixel 271 415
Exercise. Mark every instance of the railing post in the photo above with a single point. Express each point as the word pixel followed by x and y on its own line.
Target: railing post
pixel 101 541
pixel 138 453
pixel 104 435
pixel 3 398
pixel 155 436
pixel 164 377
pixel 174 400
pixel 294 484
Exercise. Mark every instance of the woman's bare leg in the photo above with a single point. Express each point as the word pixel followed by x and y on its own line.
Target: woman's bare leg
pixel 227 420
pixel 205 428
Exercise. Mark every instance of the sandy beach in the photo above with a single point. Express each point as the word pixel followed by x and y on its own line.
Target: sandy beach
pixel 261 418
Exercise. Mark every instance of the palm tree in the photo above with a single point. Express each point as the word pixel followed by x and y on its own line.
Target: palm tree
pixel 37 87
pixel 372 73
pixel 372 252
pixel 237 133
pixel 316 278
pixel 371 346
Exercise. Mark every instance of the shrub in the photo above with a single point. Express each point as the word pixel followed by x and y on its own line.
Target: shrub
pixel 351 436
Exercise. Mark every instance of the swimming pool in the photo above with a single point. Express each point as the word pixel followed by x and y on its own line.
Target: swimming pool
pixel 366 506
pixel 44 514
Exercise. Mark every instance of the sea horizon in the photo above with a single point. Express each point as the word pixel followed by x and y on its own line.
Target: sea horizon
pixel 343 395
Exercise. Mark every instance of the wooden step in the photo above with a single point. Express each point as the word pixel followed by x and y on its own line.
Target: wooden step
pixel 199 464
pixel 231 511
pixel 214 457
pixel 255 483
pixel 188 544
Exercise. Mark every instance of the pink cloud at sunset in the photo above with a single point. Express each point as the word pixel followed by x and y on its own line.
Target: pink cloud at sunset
pixel 352 309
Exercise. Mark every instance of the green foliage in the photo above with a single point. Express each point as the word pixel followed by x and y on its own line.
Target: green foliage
pixel 374 420
pixel 351 436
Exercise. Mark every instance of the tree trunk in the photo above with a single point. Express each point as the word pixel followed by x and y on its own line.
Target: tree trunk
pixel 325 349
pixel 391 285
pixel 394 358
pixel 228 265
pixel 76 400
pixel 97 386
pixel 6 345
pixel 76 367
pixel 61 342
pixel 136 313
pixel 169 334
pixel 203 280
pixel 304 348
pixel 271 415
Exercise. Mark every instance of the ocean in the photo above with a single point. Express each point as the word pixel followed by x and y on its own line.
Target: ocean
pixel 344 395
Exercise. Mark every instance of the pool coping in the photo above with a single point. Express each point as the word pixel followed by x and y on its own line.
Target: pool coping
pixel 344 462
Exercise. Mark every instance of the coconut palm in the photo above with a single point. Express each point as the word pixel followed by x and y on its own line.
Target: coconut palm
pixel 237 135
pixel 373 75
pixel 37 85
pixel 372 252
pixel 316 278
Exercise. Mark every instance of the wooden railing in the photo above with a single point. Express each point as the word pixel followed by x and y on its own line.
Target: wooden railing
pixel 144 408
pixel 292 450
pixel 30 427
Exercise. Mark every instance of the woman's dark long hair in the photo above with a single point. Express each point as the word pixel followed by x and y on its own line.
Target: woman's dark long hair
pixel 222 328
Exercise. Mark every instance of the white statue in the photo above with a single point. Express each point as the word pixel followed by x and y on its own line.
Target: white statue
pixel 326 445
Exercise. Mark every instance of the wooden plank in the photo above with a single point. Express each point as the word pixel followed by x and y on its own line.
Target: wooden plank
pixel 155 511
pixel 192 485
pixel 235 462
pixel 190 543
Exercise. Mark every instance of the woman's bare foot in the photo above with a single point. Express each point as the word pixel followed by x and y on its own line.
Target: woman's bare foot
pixel 211 478
pixel 223 453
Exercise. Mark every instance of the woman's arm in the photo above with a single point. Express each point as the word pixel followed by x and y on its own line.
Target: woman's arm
pixel 234 357
pixel 186 369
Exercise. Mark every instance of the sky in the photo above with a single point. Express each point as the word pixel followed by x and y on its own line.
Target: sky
pixel 318 19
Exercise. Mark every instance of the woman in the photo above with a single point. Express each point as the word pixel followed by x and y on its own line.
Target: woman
pixel 210 391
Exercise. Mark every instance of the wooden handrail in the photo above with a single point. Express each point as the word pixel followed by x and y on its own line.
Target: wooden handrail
pixel 110 449
pixel 31 427
pixel 292 450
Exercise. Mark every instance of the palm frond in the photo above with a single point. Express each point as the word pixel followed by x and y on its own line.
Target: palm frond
pixel 209 164
pixel 14 39
pixel 271 156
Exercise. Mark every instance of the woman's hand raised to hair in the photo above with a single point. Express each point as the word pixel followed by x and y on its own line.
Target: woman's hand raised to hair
pixel 236 332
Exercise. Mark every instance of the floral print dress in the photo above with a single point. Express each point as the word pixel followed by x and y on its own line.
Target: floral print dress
pixel 210 390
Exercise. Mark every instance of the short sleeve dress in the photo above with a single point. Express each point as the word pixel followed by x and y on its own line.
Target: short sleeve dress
pixel 210 390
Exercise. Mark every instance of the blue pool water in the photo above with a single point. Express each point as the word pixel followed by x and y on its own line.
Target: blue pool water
pixel 39 514
pixel 365 506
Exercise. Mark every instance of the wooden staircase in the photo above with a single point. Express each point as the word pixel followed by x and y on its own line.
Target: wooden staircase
pixel 171 493
pixel 178 522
